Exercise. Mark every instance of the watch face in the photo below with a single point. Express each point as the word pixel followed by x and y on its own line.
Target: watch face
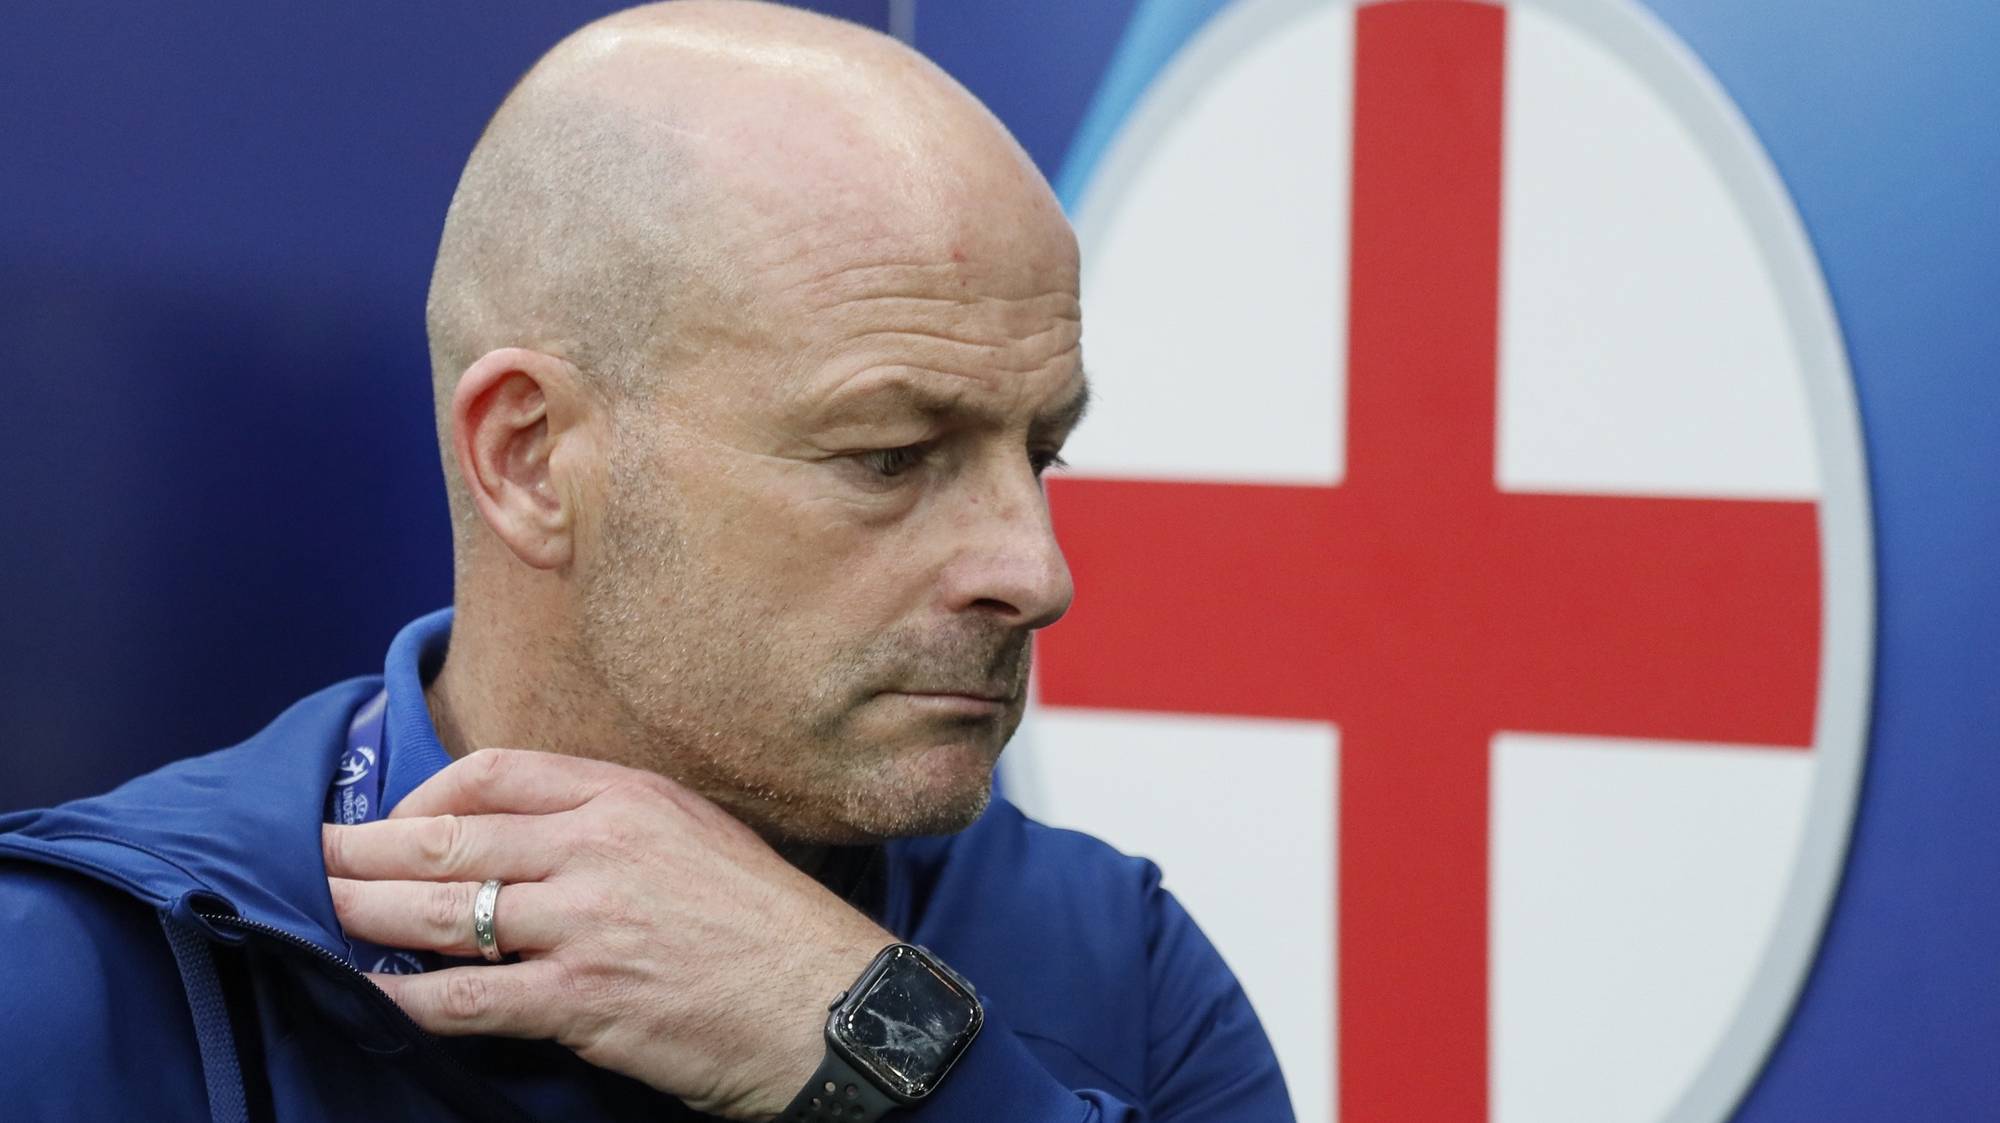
pixel 907 1022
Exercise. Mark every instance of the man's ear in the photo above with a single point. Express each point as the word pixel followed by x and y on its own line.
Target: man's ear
pixel 511 417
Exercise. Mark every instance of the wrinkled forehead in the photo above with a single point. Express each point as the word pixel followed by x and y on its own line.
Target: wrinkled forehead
pixel 839 244
pixel 843 203
pixel 847 211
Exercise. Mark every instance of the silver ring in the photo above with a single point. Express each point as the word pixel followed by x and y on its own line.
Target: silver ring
pixel 482 920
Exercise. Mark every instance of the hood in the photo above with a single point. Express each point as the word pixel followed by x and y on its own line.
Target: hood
pixel 235 831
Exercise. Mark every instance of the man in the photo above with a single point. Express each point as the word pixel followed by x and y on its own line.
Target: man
pixel 752 336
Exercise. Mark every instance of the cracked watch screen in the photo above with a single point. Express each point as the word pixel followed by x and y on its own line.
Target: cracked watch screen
pixel 908 1025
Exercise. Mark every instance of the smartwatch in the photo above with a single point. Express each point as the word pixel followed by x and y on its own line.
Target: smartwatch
pixel 890 1038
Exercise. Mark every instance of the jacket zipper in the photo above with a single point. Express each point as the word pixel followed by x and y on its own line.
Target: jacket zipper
pixel 427 1043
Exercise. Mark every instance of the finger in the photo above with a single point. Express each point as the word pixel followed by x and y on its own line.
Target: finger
pixel 516 1000
pixel 444 848
pixel 437 916
pixel 518 781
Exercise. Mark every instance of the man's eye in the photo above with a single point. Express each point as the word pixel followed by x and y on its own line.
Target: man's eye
pixel 1046 460
pixel 890 462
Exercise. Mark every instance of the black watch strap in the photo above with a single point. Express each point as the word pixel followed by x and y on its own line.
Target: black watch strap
pixel 837 1091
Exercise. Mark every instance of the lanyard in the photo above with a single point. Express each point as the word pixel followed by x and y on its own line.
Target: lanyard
pixel 356 797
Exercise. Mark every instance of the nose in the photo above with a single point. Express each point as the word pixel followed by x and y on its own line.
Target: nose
pixel 1009 563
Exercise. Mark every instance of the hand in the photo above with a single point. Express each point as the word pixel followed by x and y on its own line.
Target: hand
pixel 658 936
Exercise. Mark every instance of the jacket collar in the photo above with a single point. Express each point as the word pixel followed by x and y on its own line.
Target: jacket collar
pixel 415 753
pixel 239 829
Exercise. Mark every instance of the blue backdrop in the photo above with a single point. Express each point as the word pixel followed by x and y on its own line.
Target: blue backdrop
pixel 216 223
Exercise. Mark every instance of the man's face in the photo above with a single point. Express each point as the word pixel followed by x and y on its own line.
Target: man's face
pixel 825 546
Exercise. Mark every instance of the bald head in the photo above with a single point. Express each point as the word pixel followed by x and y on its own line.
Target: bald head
pixel 666 177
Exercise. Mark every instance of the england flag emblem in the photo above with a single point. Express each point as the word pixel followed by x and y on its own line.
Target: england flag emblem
pixel 1474 610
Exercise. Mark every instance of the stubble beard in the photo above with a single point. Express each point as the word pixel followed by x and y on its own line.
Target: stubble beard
pixel 707 679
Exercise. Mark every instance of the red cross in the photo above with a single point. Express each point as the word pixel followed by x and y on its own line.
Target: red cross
pixel 1417 606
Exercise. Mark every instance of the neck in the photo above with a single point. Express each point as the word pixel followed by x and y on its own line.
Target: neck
pixel 438 696
pixel 496 690
pixel 504 686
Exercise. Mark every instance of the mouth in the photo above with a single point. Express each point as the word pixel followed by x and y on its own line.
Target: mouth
pixel 975 701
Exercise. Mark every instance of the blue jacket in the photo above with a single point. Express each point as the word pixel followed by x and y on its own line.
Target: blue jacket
pixel 170 952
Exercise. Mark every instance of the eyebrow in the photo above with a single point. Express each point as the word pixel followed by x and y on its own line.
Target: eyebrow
pixel 1069 414
pixel 904 395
